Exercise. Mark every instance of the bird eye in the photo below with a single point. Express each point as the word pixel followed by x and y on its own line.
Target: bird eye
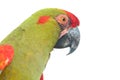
pixel 62 19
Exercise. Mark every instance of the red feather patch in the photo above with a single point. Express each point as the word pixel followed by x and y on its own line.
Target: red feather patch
pixel 6 55
pixel 41 78
pixel 74 20
pixel 43 19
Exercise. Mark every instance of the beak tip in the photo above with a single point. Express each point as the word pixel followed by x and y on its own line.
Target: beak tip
pixel 72 49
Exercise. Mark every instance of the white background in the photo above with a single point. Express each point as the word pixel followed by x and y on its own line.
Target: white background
pixel 98 55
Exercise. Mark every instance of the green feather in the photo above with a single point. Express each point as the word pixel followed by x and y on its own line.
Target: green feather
pixel 32 44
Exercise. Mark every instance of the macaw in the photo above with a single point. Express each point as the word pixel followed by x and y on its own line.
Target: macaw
pixel 24 53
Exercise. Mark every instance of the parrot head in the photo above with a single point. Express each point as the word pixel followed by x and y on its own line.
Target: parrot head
pixel 70 35
pixel 68 23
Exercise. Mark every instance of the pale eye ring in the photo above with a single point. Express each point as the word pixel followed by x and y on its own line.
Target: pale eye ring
pixel 62 19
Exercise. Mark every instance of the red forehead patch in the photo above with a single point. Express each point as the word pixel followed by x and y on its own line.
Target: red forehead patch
pixel 74 20
pixel 43 19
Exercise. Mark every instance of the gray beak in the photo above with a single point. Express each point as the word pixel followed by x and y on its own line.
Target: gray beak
pixel 71 39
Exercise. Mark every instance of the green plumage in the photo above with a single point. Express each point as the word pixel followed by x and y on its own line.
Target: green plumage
pixel 32 45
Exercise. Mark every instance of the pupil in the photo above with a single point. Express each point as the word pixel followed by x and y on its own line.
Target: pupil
pixel 63 19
